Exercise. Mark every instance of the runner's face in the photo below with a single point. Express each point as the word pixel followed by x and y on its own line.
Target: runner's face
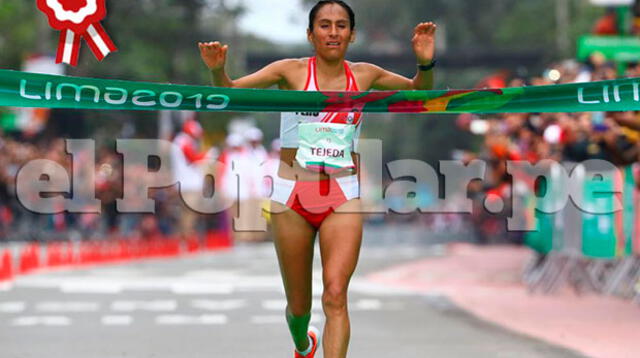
pixel 331 33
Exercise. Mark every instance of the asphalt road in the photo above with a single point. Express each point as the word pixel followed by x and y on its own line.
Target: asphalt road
pixel 231 304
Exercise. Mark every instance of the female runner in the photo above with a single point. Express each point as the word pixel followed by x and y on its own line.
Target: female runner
pixel 318 173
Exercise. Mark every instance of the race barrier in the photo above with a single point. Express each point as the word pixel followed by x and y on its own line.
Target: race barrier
pixel 70 255
pixel 6 266
pixel 22 89
pixel 60 254
pixel 586 247
pixel 217 240
pixel 29 258
pixel 193 245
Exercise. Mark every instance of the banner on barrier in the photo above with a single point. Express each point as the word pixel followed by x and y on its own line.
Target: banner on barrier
pixel 22 89
pixel 607 235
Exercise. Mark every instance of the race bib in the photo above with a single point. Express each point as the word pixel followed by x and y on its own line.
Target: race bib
pixel 325 147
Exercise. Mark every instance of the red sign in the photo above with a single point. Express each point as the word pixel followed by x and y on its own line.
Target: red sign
pixel 76 19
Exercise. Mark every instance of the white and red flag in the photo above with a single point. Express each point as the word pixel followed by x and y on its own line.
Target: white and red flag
pixel 76 19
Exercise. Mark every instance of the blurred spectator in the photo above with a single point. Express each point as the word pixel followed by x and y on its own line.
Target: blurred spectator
pixel 18 223
pixel 238 173
pixel 607 24
pixel 633 70
pixel 496 80
pixel 254 138
pixel 187 162
pixel 635 25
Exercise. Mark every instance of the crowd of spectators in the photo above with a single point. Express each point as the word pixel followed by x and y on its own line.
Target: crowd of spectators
pixel 171 217
pixel 19 223
pixel 562 137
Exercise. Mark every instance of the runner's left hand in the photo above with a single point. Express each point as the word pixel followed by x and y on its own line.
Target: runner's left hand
pixel 424 42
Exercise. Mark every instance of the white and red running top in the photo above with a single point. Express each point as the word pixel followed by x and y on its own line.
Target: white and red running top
pixel 289 121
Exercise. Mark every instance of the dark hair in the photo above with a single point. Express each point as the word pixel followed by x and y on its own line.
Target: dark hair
pixel 320 4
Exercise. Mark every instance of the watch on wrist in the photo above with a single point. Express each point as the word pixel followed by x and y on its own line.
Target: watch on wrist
pixel 428 67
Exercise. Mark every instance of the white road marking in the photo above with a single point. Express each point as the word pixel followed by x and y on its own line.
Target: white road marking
pixel 91 288
pixel 12 307
pixel 101 284
pixel 274 319
pixel 181 320
pixel 194 283
pixel 68 306
pixel 367 305
pixel 274 305
pixel 27 321
pixel 273 282
pixel 280 319
pixel 212 275
pixel 199 288
pixel 152 306
pixel 223 305
pixel 280 305
pixel 359 305
pixel 116 320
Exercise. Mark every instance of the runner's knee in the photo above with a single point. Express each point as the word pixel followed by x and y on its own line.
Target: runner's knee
pixel 334 298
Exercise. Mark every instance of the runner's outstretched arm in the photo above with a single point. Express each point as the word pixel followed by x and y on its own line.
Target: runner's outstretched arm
pixel 214 55
pixel 424 48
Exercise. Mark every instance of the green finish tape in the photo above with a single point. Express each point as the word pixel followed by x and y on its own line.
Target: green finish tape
pixel 21 89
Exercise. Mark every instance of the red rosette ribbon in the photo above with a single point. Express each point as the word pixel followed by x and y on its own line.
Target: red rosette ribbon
pixel 76 19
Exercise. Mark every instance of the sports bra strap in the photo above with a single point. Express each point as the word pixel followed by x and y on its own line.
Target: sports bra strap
pixel 312 77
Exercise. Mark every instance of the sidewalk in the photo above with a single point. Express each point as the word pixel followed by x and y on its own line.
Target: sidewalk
pixel 485 281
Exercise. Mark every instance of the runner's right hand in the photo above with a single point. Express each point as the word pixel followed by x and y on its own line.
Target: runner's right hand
pixel 214 54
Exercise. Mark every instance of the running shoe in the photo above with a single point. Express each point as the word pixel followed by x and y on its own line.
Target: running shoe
pixel 314 334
